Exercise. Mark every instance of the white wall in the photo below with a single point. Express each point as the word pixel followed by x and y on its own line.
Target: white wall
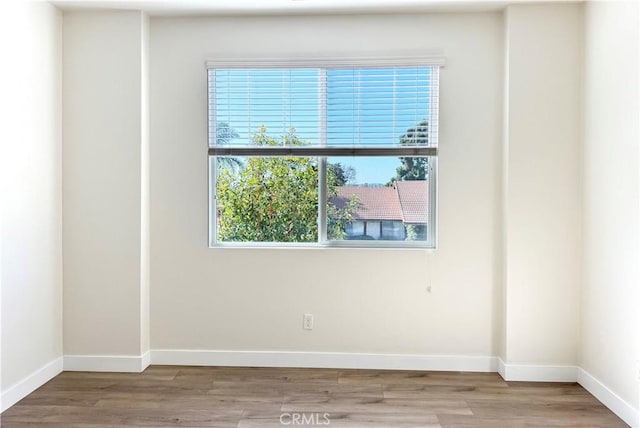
pixel 31 197
pixel 105 278
pixel 610 349
pixel 543 183
pixel 363 300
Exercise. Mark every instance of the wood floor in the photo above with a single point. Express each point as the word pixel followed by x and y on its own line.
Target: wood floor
pixel 164 396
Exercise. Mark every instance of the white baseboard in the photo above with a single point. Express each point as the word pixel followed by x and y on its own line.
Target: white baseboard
pixel 324 360
pixel 617 405
pixel 501 368
pixel 107 363
pixel 146 360
pixel 26 386
pixel 537 373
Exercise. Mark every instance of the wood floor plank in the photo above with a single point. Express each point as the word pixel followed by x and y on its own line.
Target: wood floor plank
pixel 506 407
pixel 383 406
pixel 451 392
pixel 463 421
pixel 311 393
pixel 233 397
pixel 134 416
pixel 424 378
pixel 277 375
pixel 340 419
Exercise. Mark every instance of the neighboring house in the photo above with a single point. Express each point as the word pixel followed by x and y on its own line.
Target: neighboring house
pixel 414 201
pixel 387 212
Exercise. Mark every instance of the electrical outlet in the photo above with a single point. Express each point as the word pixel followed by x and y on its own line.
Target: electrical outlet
pixel 307 321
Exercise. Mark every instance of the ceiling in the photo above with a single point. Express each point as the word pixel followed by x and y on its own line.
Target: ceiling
pixel 292 7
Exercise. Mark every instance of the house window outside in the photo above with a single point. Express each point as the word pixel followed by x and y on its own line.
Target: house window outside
pixel 393 230
pixel 354 228
pixel 323 156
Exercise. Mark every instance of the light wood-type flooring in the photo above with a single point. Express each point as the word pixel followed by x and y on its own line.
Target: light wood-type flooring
pixel 175 396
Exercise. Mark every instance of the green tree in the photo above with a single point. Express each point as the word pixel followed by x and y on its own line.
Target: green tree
pixel 413 168
pixel 339 214
pixel 224 135
pixel 342 175
pixel 275 199
pixel 411 234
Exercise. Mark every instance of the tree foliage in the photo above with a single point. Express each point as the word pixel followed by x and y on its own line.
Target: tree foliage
pixel 275 199
pixel 341 175
pixel 413 168
pixel 338 217
pixel 224 135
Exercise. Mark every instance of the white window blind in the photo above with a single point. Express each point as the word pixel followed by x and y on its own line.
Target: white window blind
pixel 279 99
pixel 371 111
pixel 377 106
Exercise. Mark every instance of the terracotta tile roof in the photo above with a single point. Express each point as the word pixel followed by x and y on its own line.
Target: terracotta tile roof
pixel 376 203
pixel 414 197
pixel 405 201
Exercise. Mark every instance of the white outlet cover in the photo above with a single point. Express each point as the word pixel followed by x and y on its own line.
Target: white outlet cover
pixel 307 321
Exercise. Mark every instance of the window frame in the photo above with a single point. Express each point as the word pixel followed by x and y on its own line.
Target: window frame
pixel 429 59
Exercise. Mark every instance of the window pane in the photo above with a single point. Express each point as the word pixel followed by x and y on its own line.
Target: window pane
pixel 377 198
pixel 267 199
pixel 241 101
pixel 380 106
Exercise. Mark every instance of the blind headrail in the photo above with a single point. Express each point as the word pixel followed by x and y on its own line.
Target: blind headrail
pixel 429 59
pixel 322 151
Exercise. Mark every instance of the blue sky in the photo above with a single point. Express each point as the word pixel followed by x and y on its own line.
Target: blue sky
pixel 364 107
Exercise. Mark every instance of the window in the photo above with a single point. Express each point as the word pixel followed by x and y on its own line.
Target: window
pixel 336 156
